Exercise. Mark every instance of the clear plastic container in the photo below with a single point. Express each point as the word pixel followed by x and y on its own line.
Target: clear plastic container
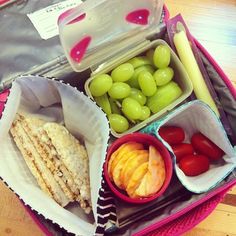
pixel 100 35
pixel 180 77
pixel 97 31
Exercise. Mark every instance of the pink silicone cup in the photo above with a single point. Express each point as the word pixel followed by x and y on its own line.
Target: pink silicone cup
pixel 147 140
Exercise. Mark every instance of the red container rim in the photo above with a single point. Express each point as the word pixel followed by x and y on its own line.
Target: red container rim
pixel 144 139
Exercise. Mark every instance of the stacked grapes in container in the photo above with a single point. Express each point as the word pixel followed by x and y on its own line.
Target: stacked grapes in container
pixel 137 89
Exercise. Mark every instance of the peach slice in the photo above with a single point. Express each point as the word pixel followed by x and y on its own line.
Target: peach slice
pixel 155 176
pixel 131 165
pixel 133 159
pixel 136 179
pixel 123 149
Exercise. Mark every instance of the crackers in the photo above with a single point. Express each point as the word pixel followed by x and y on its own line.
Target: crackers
pixel 58 161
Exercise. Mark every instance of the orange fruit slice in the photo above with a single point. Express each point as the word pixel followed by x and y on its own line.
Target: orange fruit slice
pixel 131 165
pixel 136 179
pixel 154 178
pixel 123 149
pixel 116 172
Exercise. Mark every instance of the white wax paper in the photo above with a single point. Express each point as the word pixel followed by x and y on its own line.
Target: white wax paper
pixel 54 101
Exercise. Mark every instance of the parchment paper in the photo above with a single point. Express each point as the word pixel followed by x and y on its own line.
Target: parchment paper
pixel 62 103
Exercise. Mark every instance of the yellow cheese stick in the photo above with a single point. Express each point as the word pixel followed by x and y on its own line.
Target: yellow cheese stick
pixel 187 58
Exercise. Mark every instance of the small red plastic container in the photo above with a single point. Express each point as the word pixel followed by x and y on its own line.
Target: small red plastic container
pixel 146 140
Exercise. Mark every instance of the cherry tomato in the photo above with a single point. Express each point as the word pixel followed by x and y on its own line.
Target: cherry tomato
pixel 203 145
pixel 193 165
pixel 172 134
pixel 181 150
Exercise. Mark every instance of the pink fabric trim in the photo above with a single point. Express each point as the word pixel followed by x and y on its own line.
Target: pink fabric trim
pixel 221 73
pixel 37 222
pixel 204 214
pixel 152 227
pixel 190 219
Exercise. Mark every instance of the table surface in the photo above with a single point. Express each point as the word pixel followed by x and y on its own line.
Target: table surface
pixel 213 24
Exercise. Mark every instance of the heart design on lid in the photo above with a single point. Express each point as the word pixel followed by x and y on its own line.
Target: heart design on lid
pixel 139 17
pixel 78 51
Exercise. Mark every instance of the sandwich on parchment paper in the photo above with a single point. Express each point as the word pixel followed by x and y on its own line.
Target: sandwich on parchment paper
pixel 58 161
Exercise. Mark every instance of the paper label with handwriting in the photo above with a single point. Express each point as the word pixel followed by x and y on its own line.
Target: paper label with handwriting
pixel 45 20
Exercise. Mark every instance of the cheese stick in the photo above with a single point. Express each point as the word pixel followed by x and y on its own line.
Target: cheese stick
pixel 187 58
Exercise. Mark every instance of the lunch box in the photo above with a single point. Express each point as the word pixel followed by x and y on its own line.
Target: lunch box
pixel 25 53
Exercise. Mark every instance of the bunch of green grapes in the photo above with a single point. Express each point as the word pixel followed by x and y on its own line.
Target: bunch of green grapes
pixel 135 90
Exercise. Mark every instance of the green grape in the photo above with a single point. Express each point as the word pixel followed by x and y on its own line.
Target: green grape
pixel 164 96
pixel 133 82
pixel 163 76
pixel 122 73
pixel 114 107
pixel 100 85
pixel 148 68
pixel 145 113
pixel 119 90
pixel 149 55
pixel 147 83
pixel 161 57
pixel 139 61
pixel 118 123
pixel 104 103
pixel 131 108
pixel 138 96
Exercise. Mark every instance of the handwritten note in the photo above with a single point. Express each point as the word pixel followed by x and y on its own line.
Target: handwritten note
pixel 45 20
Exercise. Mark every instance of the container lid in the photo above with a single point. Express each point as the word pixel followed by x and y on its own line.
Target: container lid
pixel 97 30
